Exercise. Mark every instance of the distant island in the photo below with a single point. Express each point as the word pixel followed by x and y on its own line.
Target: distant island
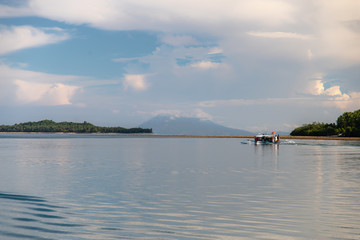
pixel 347 125
pixel 49 126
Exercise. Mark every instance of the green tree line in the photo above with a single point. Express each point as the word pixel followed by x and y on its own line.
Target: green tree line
pixel 50 126
pixel 347 125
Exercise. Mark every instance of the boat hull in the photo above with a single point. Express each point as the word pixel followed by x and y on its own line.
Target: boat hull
pixel 265 142
pixel 267 139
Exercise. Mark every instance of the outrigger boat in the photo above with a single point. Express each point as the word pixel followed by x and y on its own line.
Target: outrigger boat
pixel 272 138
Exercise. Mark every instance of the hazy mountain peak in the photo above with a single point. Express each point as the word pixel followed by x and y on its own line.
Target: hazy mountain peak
pixel 171 124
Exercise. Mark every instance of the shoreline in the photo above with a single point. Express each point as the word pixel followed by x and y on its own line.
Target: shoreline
pixel 188 135
pixel 251 137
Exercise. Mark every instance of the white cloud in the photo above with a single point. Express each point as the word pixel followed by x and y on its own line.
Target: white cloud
pixel 344 102
pixel 165 60
pixel 325 21
pixel 335 39
pixel 136 82
pixel 44 94
pixel 339 43
pixel 59 94
pixel 272 12
pixel 19 37
pixel 28 87
pixel 347 97
pixel 329 28
pixel 279 35
pixel 333 91
pixel 316 87
pixel 205 65
pixel 156 14
pixel 95 12
pixel 324 24
pixel 345 10
pixel 331 96
pixel 7 11
pixel 30 92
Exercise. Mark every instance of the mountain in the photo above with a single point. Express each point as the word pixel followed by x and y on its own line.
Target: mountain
pixel 165 124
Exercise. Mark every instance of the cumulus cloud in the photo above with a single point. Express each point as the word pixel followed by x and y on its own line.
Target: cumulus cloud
pixel 345 102
pixel 327 22
pixel 333 91
pixel 316 87
pixel 331 96
pixel 135 81
pixel 28 87
pixel 44 94
pixel 30 92
pixel 19 37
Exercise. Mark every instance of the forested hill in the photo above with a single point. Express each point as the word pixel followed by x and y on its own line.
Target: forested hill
pixel 347 125
pixel 50 126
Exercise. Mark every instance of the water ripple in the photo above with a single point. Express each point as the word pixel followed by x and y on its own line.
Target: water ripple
pixel 55 224
pixel 40 229
pixel 25 198
pixel 42 209
pixel 22 236
pixel 195 189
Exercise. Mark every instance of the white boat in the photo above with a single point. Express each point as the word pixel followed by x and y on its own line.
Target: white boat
pixel 272 138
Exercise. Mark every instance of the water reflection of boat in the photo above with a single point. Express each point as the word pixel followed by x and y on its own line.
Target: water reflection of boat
pixel 272 138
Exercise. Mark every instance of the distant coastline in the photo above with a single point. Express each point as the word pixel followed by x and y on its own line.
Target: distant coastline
pixel 230 136
pixel 235 136
pixel 155 135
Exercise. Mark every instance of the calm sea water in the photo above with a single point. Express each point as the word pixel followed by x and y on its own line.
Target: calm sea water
pixel 73 187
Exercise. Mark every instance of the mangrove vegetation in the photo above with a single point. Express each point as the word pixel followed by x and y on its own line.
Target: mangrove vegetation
pixel 347 125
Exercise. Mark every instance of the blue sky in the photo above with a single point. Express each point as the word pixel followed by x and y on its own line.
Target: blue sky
pixel 258 65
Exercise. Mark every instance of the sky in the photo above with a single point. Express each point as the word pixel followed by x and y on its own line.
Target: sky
pixel 258 65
